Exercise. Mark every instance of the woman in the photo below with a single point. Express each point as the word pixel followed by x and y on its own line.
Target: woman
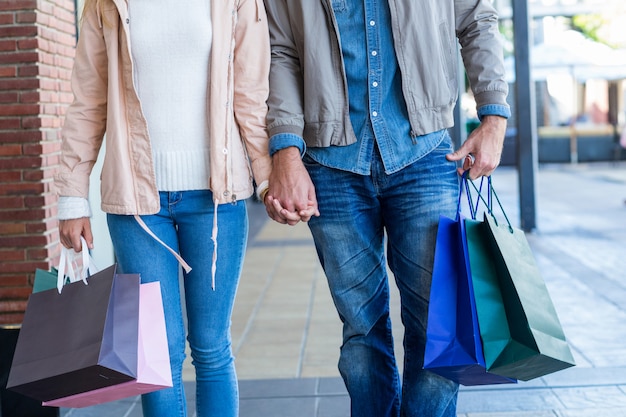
pixel 180 92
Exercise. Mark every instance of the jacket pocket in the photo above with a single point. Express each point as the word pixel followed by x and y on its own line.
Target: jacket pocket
pixel 448 55
pixel 339 6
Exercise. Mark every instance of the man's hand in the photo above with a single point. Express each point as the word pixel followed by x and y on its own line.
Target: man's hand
pixel 483 148
pixel 291 194
pixel 70 232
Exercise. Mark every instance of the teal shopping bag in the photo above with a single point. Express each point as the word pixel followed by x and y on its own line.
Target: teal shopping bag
pixel 45 280
pixel 521 333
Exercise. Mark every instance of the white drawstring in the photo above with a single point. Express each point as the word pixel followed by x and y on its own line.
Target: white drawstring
pixel 214 239
pixel 184 264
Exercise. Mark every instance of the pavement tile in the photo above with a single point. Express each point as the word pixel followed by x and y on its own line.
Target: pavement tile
pixel 591 397
pixel 272 388
pixel 536 399
pixel 334 407
pixel 282 407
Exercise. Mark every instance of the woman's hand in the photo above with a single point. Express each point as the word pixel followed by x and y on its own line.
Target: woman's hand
pixel 71 230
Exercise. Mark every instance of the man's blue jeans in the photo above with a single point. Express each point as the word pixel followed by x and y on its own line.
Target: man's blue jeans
pixel 185 223
pixel 355 214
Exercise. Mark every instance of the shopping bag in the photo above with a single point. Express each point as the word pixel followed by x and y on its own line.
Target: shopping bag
pixel 13 404
pixel 45 280
pixel 153 362
pixel 520 330
pixel 453 345
pixel 79 340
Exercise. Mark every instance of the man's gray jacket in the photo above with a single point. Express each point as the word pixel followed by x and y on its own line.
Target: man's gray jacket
pixel 308 90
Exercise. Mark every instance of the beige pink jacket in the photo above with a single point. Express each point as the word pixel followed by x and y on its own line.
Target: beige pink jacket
pixel 106 102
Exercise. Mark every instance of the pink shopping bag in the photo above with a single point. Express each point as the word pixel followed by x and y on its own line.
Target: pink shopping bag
pixel 153 362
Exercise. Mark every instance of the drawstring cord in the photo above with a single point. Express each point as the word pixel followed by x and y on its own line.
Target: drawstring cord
pixel 184 264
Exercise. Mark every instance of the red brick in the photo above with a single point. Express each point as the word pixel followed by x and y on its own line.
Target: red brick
pixel 29 96
pixel 14 293
pixel 9 124
pixel 19 109
pixel 12 202
pixel 12 228
pixel 17 32
pixel 28 70
pixel 7 255
pixel 31 122
pixel 8 72
pixel 33 175
pixel 19 84
pixel 15 212
pixel 18 4
pixel 38 254
pixel 20 163
pixel 15 318
pixel 22 280
pixel 20 242
pixel 8 96
pixel 21 189
pixel 23 44
pixel 21 136
pixel 20 57
pixel 7 45
pixel 10 150
pixel 26 17
pixel 7 18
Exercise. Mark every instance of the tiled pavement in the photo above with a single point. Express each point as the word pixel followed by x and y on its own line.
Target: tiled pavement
pixel 286 332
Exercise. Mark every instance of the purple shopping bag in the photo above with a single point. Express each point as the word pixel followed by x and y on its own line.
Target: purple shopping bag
pixel 153 366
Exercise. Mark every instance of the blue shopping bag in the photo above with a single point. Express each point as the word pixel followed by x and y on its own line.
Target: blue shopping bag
pixel 453 343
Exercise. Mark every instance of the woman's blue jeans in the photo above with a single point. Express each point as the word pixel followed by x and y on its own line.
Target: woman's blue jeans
pixel 355 214
pixel 185 223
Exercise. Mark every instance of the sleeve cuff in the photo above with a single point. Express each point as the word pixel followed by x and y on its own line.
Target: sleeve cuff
pixel 261 190
pixel 286 140
pixel 494 110
pixel 73 208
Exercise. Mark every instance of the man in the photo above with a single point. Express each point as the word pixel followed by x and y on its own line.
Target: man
pixel 361 95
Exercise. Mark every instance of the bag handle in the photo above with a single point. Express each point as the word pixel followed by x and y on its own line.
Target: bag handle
pixel 68 259
pixel 490 192
pixel 472 207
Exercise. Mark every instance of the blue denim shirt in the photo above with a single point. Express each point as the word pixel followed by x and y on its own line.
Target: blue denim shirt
pixel 381 118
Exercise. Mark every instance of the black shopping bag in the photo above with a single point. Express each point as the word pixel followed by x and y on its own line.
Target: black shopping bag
pixel 521 333
pixel 81 339
pixel 13 404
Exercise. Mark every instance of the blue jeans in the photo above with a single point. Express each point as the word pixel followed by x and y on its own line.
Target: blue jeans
pixel 356 213
pixel 185 223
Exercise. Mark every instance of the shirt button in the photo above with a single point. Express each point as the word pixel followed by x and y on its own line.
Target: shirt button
pixel 374 113
pixel 374 53
pixel 374 84
pixel 372 23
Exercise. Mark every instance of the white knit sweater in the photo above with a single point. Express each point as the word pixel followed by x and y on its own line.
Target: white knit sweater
pixel 171 46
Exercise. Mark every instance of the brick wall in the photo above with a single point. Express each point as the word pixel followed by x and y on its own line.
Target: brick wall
pixel 37 39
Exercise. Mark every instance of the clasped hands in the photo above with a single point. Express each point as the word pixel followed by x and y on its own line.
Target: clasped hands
pixel 291 195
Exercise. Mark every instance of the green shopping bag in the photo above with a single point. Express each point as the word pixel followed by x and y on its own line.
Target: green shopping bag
pixel 521 333
pixel 45 280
